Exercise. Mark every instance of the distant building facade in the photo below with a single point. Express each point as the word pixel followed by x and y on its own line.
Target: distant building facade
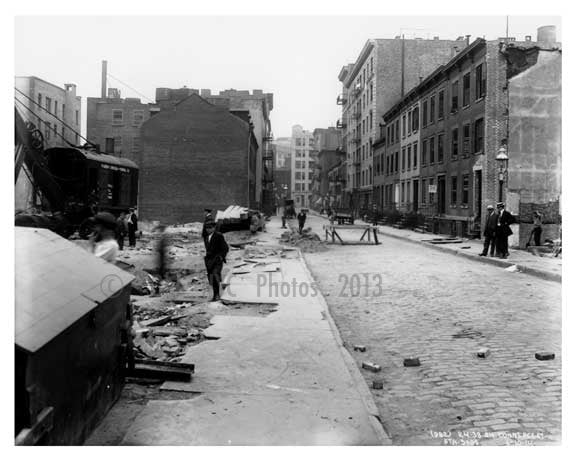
pixel 113 123
pixel 303 158
pixel 328 146
pixel 53 110
pixel 196 156
pixel 283 169
pixel 384 72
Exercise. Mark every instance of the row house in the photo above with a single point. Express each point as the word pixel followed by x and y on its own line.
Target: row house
pixel 445 168
pixel 384 71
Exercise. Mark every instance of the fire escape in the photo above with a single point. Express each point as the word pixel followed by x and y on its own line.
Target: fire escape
pixel 268 193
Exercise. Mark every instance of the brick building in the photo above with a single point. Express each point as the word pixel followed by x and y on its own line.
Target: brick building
pixel 58 107
pixel 328 143
pixel 303 158
pixel 384 72
pixel 194 156
pixel 489 97
pixel 259 105
pixel 113 123
pixel 337 183
pixel 283 169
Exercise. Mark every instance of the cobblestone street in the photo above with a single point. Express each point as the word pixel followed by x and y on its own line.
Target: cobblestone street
pixel 442 309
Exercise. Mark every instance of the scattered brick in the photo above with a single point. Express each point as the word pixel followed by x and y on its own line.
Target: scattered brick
pixel 378 384
pixel 412 362
pixel 545 355
pixel 360 348
pixel 371 366
pixel 483 353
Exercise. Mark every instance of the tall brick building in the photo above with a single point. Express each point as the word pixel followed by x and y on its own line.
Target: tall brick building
pixel 384 72
pixel 259 105
pixel 493 96
pixel 303 158
pixel 195 156
pixel 283 169
pixel 328 142
pixel 51 106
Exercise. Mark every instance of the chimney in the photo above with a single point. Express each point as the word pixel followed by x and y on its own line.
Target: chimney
pixel 467 39
pixel 528 38
pixel 104 74
pixel 436 37
pixel 546 34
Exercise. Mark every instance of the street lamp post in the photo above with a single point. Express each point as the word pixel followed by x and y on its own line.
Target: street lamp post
pixel 502 162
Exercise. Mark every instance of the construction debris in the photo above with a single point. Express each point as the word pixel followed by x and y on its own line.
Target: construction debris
pixel 371 366
pixel 545 355
pixel 360 348
pixel 307 241
pixel 483 353
pixel 412 362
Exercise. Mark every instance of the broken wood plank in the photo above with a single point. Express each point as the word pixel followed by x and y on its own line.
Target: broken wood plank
pixel 150 369
pixel 43 425
pixel 157 321
pixel 183 365
pixel 169 331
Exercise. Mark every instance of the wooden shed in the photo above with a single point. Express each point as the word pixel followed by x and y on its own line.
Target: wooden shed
pixel 72 324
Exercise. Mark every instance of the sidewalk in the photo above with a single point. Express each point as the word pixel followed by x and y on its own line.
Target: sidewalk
pixel 280 379
pixel 545 267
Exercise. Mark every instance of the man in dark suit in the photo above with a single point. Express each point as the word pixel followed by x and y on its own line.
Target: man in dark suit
pixel 132 227
pixel 503 230
pixel 490 232
pixel 207 217
pixel 216 251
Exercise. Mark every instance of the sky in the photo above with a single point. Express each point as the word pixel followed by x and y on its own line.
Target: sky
pixel 297 58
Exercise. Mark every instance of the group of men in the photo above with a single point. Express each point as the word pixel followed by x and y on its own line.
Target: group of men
pixel 496 231
pixel 126 224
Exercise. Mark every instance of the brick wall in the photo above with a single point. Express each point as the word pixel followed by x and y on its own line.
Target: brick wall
pixel 194 157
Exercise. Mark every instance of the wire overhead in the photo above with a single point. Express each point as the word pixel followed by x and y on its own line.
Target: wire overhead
pixel 129 87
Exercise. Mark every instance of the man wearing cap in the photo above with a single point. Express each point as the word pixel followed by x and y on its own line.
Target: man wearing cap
pixel 490 232
pixel 503 230
pixel 207 217
pixel 216 251
pixel 103 240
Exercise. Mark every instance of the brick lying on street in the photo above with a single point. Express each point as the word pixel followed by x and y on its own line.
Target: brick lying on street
pixel 483 353
pixel 360 348
pixel 545 355
pixel 371 366
pixel 378 384
pixel 412 362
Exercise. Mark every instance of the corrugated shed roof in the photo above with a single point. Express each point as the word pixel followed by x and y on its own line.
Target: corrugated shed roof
pixel 57 282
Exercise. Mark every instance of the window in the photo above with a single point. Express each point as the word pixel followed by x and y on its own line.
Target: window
pixel 48 104
pixel 440 148
pixel 466 140
pixel 430 193
pixel 480 81
pixel 397 129
pixel 396 162
pixel 118 145
pixel 404 126
pixel 371 93
pixel 135 144
pixel 465 186
pixel 454 106
pixel 466 90
pixel 432 109
pixel 40 99
pixel 77 117
pixel 47 130
pixel 55 130
pixel 371 121
pixel 479 135
pixel 424 114
pixel 311 164
pixel 117 116
pixel 423 191
pixel 109 145
pixel 137 117
pixel 388 135
pixel 63 132
pixel 441 105
pixel 298 187
pixel 63 110
pixel 56 108
pixel 403 158
pixel 387 165
pixel 415 150
pixel 409 123
pixel 408 157
pixel 415 119
pixel 424 152
pixel 298 175
pixel 431 147
pixel 454 143
pixel 402 192
pixel 454 190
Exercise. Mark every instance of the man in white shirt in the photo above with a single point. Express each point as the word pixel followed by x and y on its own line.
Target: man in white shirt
pixel 103 239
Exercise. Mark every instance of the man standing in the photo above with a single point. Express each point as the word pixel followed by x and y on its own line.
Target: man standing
pixel 132 227
pixel 103 240
pixel 490 232
pixel 536 229
pixel 503 230
pixel 207 217
pixel 301 220
pixel 121 230
pixel 216 251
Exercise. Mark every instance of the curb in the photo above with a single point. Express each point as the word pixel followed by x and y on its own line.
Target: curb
pixel 545 275
pixel 352 366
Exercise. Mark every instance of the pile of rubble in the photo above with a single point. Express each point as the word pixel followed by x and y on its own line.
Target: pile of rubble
pixel 307 241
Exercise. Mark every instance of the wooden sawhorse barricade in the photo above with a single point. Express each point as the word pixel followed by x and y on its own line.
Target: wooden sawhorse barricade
pixel 332 232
